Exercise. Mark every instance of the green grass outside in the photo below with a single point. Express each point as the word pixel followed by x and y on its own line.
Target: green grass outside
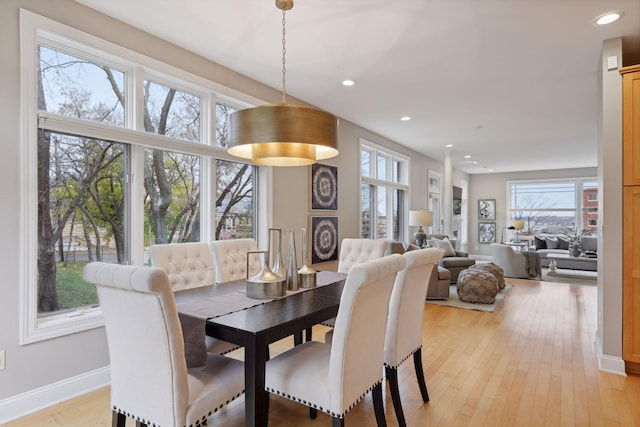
pixel 72 290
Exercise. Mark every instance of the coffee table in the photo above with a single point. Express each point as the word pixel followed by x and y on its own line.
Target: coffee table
pixel 553 266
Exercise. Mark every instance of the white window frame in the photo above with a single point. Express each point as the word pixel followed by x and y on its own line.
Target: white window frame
pixel 388 183
pixel 35 30
pixel 579 186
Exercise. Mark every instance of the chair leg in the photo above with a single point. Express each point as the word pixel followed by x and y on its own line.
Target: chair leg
pixel 378 407
pixel 308 334
pixel 337 422
pixel 392 377
pixel 118 419
pixel 313 413
pixel 297 338
pixel 140 424
pixel 417 362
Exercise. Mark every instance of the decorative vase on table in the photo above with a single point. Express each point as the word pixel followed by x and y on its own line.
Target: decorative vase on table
pixel 574 249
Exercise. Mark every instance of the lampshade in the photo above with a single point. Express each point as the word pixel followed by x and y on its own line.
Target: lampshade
pixel 283 134
pixel 420 218
pixel 518 224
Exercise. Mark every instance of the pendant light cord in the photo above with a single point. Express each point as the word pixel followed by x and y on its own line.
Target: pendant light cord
pixel 284 61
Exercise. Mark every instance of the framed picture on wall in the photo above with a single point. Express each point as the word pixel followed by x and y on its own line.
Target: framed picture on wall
pixel 434 182
pixel 324 187
pixel 486 232
pixel 324 239
pixel 487 209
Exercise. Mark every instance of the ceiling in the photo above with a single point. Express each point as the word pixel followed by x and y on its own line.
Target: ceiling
pixel 511 83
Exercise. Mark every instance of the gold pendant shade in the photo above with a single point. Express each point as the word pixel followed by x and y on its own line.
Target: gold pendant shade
pixel 283 135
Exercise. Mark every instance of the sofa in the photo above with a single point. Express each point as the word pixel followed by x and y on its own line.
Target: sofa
pixel 440 278
pixel 453 260
pixel 559 243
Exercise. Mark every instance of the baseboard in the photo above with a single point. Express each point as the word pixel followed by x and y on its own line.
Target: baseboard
pixel 34 400
pixel 611 364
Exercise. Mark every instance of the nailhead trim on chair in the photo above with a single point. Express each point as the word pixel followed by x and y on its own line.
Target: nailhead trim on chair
pixel 319 408
pixel 198 423
pixel 405 358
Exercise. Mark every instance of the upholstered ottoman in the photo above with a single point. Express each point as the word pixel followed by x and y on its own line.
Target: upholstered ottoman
pixel 477 286
pixel 494 269
pixel 439 283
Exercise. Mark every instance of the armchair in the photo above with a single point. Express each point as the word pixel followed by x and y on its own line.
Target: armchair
pixel 453 260
pixel 513 263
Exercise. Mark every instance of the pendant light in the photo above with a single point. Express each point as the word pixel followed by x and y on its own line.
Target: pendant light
pixel 283 134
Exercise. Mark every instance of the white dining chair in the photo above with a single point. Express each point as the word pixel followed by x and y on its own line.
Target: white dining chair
pixel 333 378
pixel 189 265
pixel 404 325
pixel 356 251
pixel 230 259
pixel 150 381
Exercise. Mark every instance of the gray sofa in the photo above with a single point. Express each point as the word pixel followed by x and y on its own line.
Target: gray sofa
pixel 558 243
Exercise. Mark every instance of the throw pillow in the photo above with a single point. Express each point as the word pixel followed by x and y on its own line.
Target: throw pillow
pixel 540 242
pixel 552 242
pixel 446 246
pixel 410 247
pixel 563 243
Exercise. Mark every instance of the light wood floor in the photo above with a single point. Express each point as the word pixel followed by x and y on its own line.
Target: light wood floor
pixel 530 363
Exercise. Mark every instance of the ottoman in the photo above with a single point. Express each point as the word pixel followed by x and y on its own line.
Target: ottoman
pixel 477 286
pixel 439 283
pixel 490 267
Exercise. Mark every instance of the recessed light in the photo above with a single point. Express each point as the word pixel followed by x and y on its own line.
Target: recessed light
pixel 474 162
pixel 489 170
pixel 467 156
pixel 449 146
pixel 348 82
pixel 608 18
pixel 405 118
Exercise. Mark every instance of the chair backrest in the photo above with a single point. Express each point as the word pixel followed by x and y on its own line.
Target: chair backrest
pixel 357 348
pixel 189 265
pixel 406 306
pixel 514 264
pixel 357 251
pixel 230 259
pixel 146 347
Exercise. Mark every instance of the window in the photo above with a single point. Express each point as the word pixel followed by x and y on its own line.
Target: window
pixel 383 193
pixel 108 173
pixel 550 206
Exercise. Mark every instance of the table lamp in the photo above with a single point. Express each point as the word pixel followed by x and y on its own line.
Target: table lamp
pixel 518 224
pixel 420 218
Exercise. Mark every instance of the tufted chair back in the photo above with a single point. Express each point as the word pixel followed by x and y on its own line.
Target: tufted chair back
pixel 357 251
pixel 189 265
pixel 230 259
pixel 149 376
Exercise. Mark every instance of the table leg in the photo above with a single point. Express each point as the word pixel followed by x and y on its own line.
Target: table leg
pixel 256 398
pixel 553 267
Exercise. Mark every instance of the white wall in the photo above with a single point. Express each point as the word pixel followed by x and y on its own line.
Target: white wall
pixel 609 333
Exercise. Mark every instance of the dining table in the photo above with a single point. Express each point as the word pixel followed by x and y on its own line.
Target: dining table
pixel 224 311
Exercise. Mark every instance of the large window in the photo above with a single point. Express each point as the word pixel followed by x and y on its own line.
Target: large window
pixel 551 206
pixel 117 157
pixel 383 193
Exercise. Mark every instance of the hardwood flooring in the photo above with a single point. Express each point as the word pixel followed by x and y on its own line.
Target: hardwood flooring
pixel 530 363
